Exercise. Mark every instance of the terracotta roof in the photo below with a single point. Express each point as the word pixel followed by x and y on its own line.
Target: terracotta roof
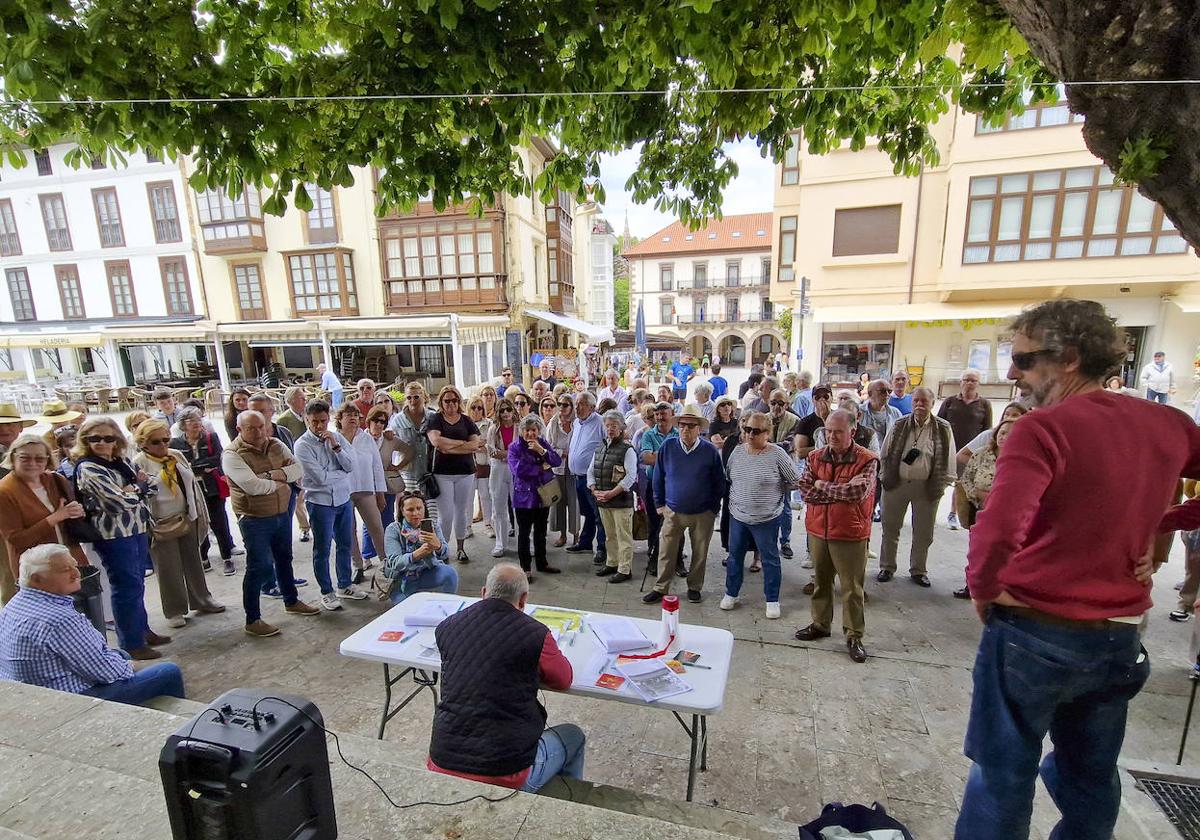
pixel 745 232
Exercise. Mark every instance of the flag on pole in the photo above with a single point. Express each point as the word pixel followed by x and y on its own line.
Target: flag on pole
pixel 639 330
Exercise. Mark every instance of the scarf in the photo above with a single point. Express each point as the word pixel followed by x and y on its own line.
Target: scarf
pixel 169 474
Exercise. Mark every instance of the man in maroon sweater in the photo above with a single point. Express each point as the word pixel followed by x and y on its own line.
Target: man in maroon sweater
pixel 1053 568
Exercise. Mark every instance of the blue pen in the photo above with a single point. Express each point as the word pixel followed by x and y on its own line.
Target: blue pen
pixel 461 604
pixel 410 637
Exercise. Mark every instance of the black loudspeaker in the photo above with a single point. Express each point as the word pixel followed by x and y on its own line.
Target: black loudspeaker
pixel 250 768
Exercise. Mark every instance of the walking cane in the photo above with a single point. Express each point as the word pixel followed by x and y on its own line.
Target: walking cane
pixel 1194 676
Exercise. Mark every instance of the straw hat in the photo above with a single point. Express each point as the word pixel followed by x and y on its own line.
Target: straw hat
pixel 9 414
pixel 693 412
pixel 56 411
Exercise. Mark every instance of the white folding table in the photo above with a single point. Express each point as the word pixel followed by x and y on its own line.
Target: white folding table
pixel 707 696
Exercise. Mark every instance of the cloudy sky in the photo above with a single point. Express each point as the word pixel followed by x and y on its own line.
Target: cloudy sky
pixel 750 192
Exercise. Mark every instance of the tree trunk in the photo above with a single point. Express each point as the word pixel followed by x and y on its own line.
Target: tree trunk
pixel 1124 40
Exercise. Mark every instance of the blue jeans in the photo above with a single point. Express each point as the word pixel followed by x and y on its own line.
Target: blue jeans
pixel 439 578
pixel 268 541
pixel 1157 396
pixel 330 523
pixel 743 538
pixel 785 522
pixel 559 753
pixel 388 516
pixel 1033 678
pixel 124 560
pixel 163 679
pixel 592 527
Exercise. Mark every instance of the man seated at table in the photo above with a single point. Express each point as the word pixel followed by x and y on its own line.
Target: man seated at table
pixel 45 641
pixel 489 725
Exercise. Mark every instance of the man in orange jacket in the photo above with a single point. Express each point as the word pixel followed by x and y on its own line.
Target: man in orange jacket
pixel 839 489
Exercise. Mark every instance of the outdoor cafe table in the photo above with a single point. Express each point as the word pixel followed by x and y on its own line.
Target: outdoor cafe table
pixel 707 696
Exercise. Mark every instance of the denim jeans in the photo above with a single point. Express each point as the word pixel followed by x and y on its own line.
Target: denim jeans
pixel 268 541
pixel 743 538
pixel 331 523
pixel 1031 679
pixel 1157 396
pixel 592 527
pixel 387 516
pixel 439 578
pixel 785 522
pixel 559 753
pixel 124 560
pixel 163 679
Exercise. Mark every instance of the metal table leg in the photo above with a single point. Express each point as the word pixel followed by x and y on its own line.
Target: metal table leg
pixel 420 678
pixel 698 735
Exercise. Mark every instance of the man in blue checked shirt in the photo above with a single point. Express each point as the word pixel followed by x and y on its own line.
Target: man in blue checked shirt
pixel 45 641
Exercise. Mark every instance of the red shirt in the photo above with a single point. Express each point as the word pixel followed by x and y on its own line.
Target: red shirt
pixel 1080 490
pixel 555 673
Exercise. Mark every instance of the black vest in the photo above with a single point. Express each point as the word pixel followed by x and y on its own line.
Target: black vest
pixel 610 455
pixel 488 720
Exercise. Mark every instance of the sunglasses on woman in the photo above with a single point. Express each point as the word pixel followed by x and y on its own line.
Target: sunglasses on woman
pixel 158 441
pixel 101 439
pixel 750 430
pixel 520 402
pixel 566 404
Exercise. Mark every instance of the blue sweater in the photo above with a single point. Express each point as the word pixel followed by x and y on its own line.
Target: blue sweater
pixel 690 483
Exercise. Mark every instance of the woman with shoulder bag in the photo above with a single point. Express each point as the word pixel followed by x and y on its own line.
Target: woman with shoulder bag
pixel 120 494
pixel 566 513
pixel 390 456
pixel 203 453
pixel 483 467
pixel 178 514
pixel 416 553
pixel 972 490
pixel 531 460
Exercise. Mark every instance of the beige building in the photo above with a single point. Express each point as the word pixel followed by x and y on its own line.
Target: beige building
pixel 710 287
pixel 925 272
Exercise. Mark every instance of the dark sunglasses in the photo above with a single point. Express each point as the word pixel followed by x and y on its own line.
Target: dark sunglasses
pixel 1026 360
pixel 157 441
pixel 450 401
pixel 750 430
pixel 548 405
pixel 101 439
pixel 566 404
pixel 520 402
pixel 778 402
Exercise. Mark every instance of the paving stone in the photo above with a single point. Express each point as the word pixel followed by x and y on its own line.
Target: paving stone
pixel 846 777
pixel 916 768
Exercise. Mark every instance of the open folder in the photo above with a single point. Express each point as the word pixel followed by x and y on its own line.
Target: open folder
pixel 431 613
pixel 618 634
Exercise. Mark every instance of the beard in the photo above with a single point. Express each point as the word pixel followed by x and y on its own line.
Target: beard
pixel 1041 395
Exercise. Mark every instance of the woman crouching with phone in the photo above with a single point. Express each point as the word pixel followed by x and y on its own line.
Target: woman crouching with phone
pixel 416 553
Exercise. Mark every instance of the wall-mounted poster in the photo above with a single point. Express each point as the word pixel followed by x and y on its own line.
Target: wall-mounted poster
pixel 979 355
pixel 1003 358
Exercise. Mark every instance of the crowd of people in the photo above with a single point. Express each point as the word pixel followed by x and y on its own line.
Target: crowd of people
pixel 390 490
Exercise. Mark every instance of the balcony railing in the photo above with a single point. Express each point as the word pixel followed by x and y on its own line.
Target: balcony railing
pixel 725 318
pixel 718 284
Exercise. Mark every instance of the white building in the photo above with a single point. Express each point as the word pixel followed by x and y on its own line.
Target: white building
pixel 600 294
pixel 95 259
pixel 709 286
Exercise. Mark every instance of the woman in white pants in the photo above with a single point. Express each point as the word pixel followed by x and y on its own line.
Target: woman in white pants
pixel 368 486
pixel 499 438
pixel 455 439
pixel 477 410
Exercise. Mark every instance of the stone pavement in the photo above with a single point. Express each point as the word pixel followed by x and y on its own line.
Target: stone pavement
pixel 802 724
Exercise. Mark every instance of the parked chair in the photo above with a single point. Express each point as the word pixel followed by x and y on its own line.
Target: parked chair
pixel 214 401
pixel 125 399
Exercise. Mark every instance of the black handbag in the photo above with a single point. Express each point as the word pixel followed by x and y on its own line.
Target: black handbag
pixel 81 530
pixel 857 818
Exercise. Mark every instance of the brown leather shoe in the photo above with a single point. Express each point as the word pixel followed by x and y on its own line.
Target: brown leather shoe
pixel 154 639
pixel 855 649
pixel 811 632
pixel 810 588
pixel 211 609
pixel 301 608
pixel 143 653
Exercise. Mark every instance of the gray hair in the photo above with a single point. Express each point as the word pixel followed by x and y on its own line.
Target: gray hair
pixel 612 371
pixel 615 416
pixel 806 378
pixel 851 419
pixel 364 382
pixel 291 392
pixel 704 388
pixel 928 391
pixel 189 413
pixel 528 420
pixel 39 559
pixel 507 582
pixel 25 440
pixel 587 397
pixel 261 397
pixel 250 414
pixel 772 381
pixel 879 383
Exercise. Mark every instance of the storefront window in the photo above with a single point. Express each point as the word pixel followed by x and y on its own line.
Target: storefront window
pixel 846 358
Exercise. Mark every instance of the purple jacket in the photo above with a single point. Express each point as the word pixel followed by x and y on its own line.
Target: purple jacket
pixel 528 473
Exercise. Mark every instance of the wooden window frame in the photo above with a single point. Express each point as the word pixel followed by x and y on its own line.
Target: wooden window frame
pixel 61 275
pixel 43 163
pixel 96 195
pixel 1101 182
pixel 163 262
pixel 851 247
pixel 28 311
pixel 245 213
pixel 787 270
pixel 669 268
pixel 10 237
pixel 44 200
pixel 151 187
pixel 702 268
pixel 323 236
pixel 249 314
pixel 347 282
pixel 110 267
pixel 428 282
pixel 790 175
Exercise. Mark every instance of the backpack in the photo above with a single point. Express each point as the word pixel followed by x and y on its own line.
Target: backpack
pixel 855 818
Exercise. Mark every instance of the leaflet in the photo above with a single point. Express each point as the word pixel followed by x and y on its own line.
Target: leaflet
pixel 652 679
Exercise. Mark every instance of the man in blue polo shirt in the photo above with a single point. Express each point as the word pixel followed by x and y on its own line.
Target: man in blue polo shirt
pixel 719 383
pixel 899 399
pixel 681 373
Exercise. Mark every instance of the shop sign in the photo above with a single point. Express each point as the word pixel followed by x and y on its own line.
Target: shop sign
pixel 964 323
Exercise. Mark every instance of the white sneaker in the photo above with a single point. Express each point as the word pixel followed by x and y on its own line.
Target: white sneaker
pixel 177 621
pixel 728 602
pixel 772 609
pixel 237 552
pixel 806 563
pixel 330 601
pixel 872 554
pixel 368 564
pixel 353 593
pixel 498 551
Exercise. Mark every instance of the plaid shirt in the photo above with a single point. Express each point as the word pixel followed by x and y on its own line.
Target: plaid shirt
pixel 45 641
pixel 850 491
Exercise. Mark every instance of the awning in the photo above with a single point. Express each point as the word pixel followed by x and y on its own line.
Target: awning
pixel 385 332
pixel 918 312
pixel 53 340
pixel 196 333
pixel 593 333
pixel 296 333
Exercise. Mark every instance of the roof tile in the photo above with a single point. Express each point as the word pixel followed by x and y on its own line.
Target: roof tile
pixel 742 232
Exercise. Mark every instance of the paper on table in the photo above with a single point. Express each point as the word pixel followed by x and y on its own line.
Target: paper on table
pixel 431 614
pixel 556 619
pixel 652 679
pixel 618 634
pixel 431 653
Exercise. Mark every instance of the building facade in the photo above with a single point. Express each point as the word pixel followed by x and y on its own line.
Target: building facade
pixel 97 256
pixel 710 286
pixel 601 293
pixel 925 272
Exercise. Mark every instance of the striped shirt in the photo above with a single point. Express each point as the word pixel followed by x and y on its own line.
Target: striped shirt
pixel 45 641
pixel 757 483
